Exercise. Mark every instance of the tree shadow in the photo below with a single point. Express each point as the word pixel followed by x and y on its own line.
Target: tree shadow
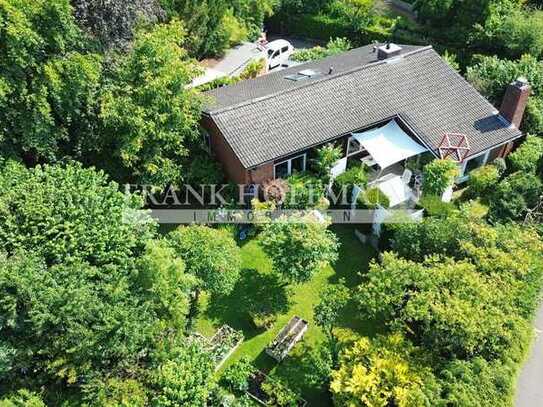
pixel 254 293
pixel 297 371
pixel 354 257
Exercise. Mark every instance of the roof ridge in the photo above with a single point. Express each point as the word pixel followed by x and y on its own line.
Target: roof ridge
pixel 326 78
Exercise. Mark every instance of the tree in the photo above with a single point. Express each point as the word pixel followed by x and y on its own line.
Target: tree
pixel 148 112
pixel 514 195
pixel 211 255
pixel 48 87
pixel 203 19
pixel 382 372
pixel 71 320
pixel 438 176
pixel 112 23
pixel 299 246
pixel 526 157
pixel 447 306
pixel 492 75
pixel 327 156
pixel 183 375
pixel 71 213
pixel 328 312
pixel 162 275
pixel 333 301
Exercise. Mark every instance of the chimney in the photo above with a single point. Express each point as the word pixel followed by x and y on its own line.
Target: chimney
pixel 388 51
pixel 515 101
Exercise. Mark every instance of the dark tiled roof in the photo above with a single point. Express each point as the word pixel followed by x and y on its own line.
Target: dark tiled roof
pixel 271 117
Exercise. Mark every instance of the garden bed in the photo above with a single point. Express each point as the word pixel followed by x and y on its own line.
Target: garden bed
pixel 287 338
pixel 222 345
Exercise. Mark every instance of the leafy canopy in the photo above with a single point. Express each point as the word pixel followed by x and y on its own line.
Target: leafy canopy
pixel 211 255
pixel 149 114
pixel 299 246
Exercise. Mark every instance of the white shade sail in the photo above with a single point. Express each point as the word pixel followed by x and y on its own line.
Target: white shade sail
pixel 389 144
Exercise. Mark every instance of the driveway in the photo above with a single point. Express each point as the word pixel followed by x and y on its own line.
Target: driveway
pixel 530 384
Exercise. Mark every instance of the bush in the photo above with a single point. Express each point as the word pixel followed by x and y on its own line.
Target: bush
pixel 278 394
pixel 304 192
pixel 526 157
pixel 514 196
pixel 344 183
pixel 253 69
pixel 334 46
pixel 236 377
pixel 204 170
pixel 483 179
pixel 434 206
pixel 438 176
pixel 373 198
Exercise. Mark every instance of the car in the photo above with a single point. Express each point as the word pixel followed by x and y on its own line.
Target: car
pixel 278 52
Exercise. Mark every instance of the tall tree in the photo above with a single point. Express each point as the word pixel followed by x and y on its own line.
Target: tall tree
pixel 112 23
pixel 148 112
pixel 211 255
pixel 69 212
pixel 47 87
pixel 299 246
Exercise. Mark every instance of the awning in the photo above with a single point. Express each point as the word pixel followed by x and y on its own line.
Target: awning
pixel 389 144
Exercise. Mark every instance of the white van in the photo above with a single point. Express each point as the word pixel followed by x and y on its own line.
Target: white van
pixel 278 53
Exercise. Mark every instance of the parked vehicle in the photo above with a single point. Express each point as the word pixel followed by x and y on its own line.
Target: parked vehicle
pixel 278 52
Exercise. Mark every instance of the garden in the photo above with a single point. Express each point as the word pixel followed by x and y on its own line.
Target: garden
pixel 258 284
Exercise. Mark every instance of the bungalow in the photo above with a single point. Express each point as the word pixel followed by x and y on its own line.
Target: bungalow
pixel 382 104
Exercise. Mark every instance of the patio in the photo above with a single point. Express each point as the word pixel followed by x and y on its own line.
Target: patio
pixel 384 151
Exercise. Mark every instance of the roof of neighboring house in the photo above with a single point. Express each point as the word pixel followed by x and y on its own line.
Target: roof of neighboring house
pixel 271 117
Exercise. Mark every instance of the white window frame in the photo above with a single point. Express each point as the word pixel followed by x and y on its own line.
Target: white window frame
pixel 351 138
pixel 463 176
pixel 289 164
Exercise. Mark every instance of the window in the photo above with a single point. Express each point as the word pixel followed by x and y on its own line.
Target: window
pixel 284 49
pixel 474 163
pixel 494 153
pixel 206 139
pixel 290 166
pixel 270 52
pixel 353 147
pixel 276 54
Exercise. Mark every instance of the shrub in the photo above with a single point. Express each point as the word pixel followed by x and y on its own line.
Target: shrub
pixel 373 198
pixel 382 372
pixel 514 195
pixel 334 46
pixel 434 206
pixel 327 156
pixel 236 377
pixel 526 157
pixel 278 394
pixel 438 176
pixel 204 170
pixel 483 179
pixel 304 192
pixel 344 183
pixel 253 69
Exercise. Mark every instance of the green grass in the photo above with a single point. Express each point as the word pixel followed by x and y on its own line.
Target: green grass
pixel 258 282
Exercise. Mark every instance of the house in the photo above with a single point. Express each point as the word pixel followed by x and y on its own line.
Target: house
pixel 382 104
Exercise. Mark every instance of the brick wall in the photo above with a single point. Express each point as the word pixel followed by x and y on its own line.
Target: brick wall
pixel 225 155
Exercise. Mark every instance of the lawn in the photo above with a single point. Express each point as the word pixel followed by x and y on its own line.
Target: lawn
pixel 258 282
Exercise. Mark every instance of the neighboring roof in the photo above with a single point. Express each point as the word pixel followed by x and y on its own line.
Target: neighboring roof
pixel 389 144
pixel 271 117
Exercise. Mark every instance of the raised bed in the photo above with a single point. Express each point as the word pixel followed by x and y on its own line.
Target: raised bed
pixel 287 338
pixel 222 345
pixel 257 393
